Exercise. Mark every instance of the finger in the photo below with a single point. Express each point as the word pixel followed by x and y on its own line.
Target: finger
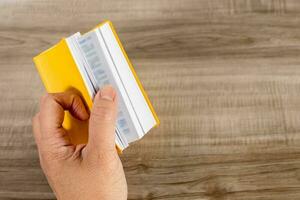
pixel 73 103
pixel 102 121
pixel 52 109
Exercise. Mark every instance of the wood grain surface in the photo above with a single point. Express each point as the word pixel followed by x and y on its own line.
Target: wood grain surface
pixel 224 77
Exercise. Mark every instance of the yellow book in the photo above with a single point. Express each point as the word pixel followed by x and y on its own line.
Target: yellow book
pixel 84 64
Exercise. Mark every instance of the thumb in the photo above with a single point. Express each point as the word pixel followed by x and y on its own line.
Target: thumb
pixel 102 121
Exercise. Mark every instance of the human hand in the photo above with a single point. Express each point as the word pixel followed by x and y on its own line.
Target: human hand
pixel 80 172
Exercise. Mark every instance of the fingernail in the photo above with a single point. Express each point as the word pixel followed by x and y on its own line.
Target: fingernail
pixel 108 93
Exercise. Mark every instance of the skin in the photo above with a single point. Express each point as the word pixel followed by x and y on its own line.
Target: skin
pixel 80 172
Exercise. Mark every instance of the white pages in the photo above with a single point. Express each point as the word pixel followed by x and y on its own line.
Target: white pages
pixel 101 61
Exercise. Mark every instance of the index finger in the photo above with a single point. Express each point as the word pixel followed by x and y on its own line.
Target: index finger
pixel 52 109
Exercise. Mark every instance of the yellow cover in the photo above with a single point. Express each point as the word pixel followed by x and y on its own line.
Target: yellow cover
pixel 59 73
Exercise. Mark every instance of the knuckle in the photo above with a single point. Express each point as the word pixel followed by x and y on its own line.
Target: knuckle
pixel 53 159
pixel 73 96
pixel 46 98
pixel 50 155
pixel 76 102
pixel 76 97
pixel 104 111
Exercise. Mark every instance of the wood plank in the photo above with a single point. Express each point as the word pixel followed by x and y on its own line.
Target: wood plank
pixel 223 76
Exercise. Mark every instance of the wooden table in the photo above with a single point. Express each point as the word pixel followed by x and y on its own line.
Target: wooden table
pixel 224 77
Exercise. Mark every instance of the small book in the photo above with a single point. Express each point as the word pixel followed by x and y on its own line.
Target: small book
pixel 84 64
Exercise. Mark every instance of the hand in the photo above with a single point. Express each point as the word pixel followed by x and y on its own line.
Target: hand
pixel 84 172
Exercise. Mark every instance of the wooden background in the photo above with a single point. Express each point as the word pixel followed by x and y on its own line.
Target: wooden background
pixel 224 77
